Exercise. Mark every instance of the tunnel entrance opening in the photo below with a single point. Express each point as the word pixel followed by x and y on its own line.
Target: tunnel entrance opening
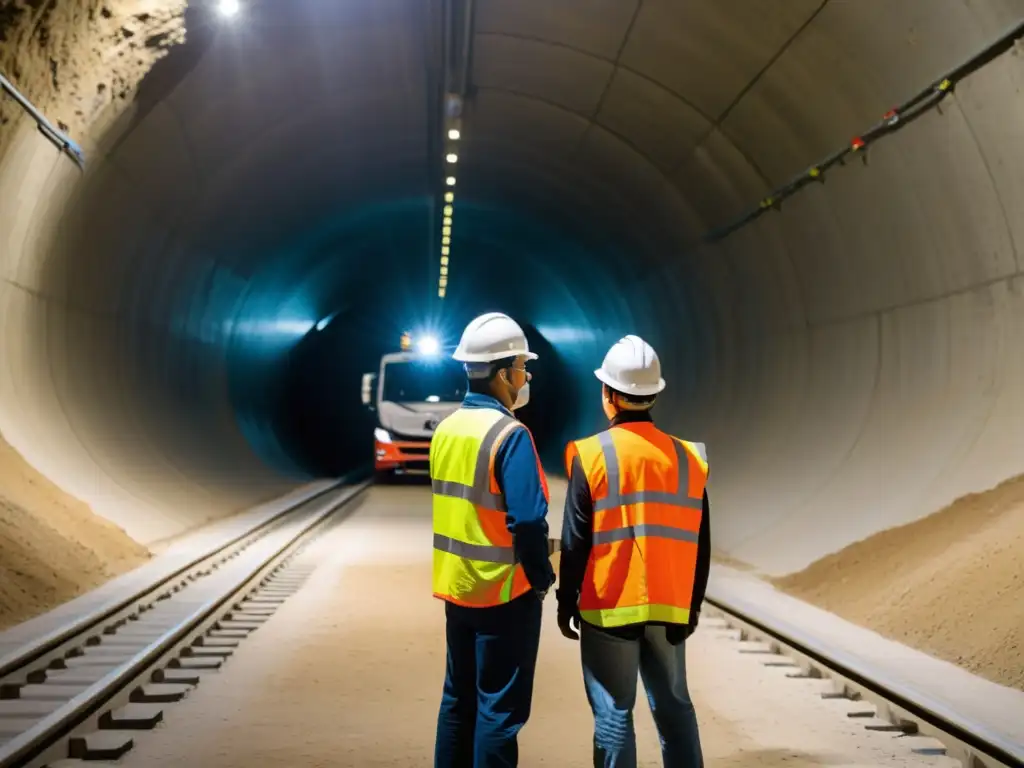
pixel 323 427
pixel 318 417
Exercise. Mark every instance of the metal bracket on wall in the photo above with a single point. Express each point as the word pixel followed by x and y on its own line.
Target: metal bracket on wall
pixel 61 140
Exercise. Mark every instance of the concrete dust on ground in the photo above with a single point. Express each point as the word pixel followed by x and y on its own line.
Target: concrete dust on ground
pixel 951 585
pixel 52 547
pixel 349 671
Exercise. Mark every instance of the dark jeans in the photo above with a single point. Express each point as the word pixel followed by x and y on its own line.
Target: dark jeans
pixel 488 685
pixel 610 667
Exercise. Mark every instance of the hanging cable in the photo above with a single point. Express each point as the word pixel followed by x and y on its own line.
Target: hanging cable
pixel 891 121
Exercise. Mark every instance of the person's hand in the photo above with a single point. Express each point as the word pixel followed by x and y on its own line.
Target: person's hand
pixel 568 615
pixel 678 633
pixel 566 620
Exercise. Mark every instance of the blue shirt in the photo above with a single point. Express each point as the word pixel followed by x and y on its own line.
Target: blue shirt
pixel 515 468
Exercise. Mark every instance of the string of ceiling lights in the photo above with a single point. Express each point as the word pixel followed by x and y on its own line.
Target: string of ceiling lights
pixel 451 157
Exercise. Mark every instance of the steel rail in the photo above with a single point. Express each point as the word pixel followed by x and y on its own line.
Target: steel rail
pixel 39 647
pixel 46 734
pixel 904 706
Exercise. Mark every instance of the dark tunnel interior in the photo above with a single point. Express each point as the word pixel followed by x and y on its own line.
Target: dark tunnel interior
pixel 365 270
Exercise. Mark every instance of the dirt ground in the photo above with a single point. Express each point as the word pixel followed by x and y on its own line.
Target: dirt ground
pixel 349 673
pixel 52 547
pixel 951 585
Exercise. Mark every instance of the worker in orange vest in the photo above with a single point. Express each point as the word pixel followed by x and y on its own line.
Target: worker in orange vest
pixel 636 553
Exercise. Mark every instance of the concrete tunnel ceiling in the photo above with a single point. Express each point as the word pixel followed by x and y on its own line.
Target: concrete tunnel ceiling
pixel 852 361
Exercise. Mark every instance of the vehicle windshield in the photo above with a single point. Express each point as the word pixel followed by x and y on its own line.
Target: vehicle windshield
pixel 424 381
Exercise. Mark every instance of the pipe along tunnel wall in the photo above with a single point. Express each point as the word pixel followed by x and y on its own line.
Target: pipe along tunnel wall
pixel 853 362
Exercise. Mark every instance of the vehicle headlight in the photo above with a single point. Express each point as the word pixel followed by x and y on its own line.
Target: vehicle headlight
pixel 382 435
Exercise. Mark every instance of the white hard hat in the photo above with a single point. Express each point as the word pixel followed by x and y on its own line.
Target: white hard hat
pixel 491 337
pixel 632 368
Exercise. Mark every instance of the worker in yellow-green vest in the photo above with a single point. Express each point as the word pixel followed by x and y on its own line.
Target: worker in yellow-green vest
pixel 491 551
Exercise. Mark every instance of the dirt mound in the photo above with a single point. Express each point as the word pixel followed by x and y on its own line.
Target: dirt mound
pixel 951 585
pixel 79 59
pixel 52 547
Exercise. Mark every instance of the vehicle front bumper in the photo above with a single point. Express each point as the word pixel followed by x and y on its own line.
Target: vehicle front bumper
pixel 402 456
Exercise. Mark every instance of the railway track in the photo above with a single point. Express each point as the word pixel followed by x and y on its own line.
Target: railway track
pixel 879 705
pixel 84 694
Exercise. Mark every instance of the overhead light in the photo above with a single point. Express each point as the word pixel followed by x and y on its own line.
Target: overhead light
pixel 451 157
pixel 444 251
pixel 454 134
pixel 450 181
pixel 443 282
pixel 448 210
pixel 228 8
pixel 440 293
pixel 447 221
pixel 444 271
pixel 449 197
pixel 446 241
pixel 446 231
pixel 444 261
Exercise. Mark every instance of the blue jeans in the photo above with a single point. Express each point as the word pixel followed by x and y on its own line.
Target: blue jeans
pixel 610 667
pixel 488 685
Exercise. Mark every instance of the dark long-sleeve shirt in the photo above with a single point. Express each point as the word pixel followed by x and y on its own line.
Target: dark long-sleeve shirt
pixel 577 537
pixel 516 470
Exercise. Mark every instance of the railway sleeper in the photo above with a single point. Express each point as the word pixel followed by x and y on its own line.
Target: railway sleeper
pixel 132 717
pixel 101 745
pixel 177 676
pixel 159 693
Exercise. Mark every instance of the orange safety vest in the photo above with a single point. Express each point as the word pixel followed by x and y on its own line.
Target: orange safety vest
pixel 474 557
pixel 647 489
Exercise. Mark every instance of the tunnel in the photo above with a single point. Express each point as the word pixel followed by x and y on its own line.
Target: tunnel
pixel 258 219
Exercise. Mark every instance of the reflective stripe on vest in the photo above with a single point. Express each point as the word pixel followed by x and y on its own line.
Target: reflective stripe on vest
pixel 474 557
pixel 615 498
pixel 643 561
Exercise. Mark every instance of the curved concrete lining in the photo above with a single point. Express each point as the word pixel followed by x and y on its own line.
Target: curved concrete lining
pixel 852 362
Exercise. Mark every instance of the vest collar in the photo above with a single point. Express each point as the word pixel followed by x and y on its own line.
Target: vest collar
pixel 632 417
pixel 477 400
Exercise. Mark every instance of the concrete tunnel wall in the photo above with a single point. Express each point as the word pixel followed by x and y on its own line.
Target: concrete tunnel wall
pixel 853 362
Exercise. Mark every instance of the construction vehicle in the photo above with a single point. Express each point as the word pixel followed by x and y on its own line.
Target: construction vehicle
pixel 411 392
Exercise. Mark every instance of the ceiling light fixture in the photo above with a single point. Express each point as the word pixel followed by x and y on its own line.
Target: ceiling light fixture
pixel 228 8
